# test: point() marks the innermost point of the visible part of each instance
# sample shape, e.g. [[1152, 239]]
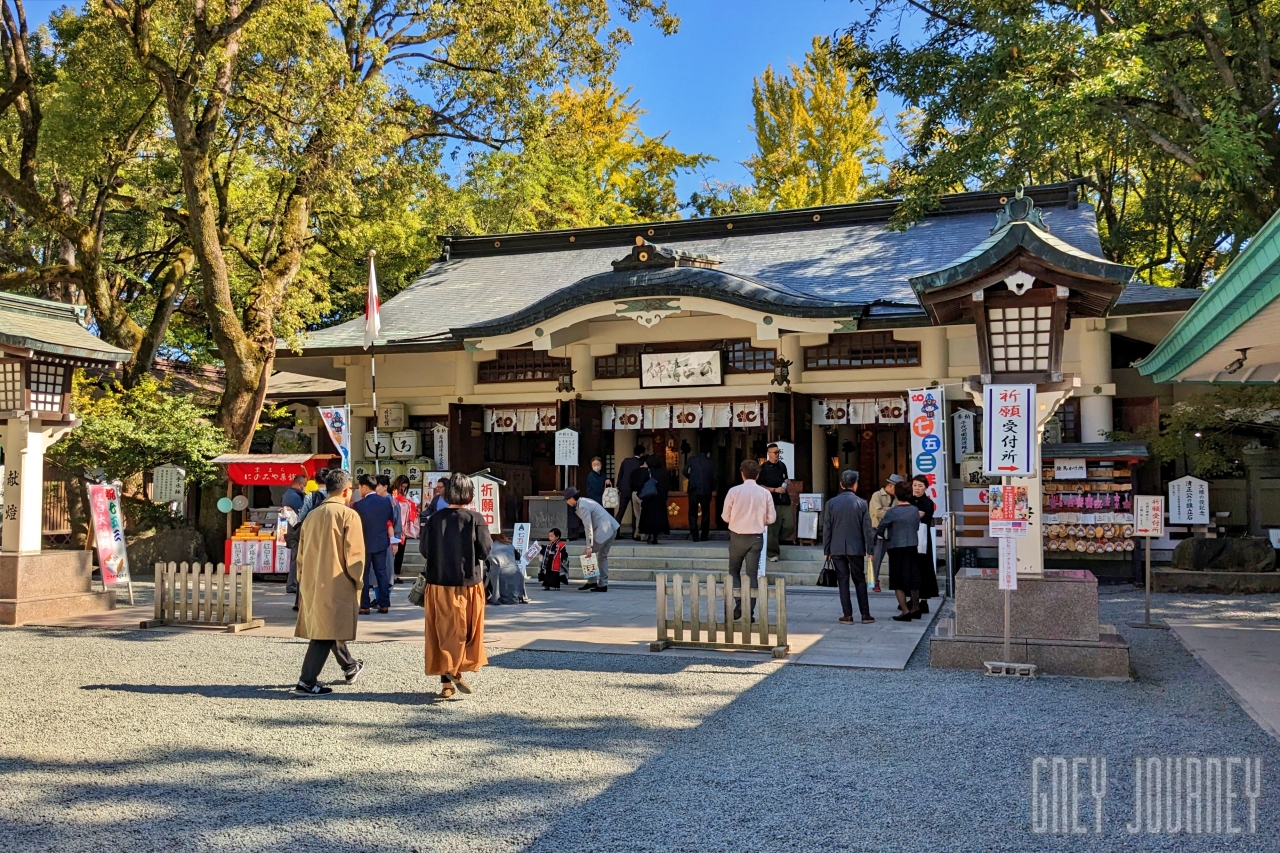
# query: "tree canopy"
[[1166, 112]]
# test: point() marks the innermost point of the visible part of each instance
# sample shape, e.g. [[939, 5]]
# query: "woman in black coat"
[[653, 509], [928, 579]]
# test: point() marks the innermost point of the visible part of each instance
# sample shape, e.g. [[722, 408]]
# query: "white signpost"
[[520, 542], [1009, 413], [1148, 522], [1188, 501], [964, 433], [440, 446], [169, 486]]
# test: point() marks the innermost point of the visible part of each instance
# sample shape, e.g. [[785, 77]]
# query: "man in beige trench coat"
[[330, 571]]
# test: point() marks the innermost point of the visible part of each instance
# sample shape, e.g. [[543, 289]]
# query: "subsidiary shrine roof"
[[52, 328], [834, 261]]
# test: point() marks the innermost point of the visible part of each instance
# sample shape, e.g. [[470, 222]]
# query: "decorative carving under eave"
[[846, 326], [648, 312], [472, 346]]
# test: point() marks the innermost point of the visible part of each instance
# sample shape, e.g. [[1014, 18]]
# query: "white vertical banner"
[[1008, 562], [487, 502], [1009, 419], [964, 432], [440, 446], [929, 442]]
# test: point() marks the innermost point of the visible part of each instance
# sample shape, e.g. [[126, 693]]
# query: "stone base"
[[1053, 622], [52, 585], [1230, 583], [1107, 657]]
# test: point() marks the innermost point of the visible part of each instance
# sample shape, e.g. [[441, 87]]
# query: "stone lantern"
[[41, 344], [1021, 288]]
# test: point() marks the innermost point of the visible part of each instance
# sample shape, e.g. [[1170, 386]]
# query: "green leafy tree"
[[1166, 112], [1210, 430], [284, 114], [590, 164], [817, 135]]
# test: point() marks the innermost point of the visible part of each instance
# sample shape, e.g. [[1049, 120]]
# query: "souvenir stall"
[[258, 541], [1088, 507]]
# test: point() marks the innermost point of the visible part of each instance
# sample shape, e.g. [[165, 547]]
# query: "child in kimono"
[[555, 561]]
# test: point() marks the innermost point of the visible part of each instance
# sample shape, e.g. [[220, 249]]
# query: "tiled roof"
[[52, 328], [839, 256]]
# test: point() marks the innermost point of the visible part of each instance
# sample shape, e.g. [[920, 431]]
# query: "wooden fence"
[[206, 596], [709, 613]]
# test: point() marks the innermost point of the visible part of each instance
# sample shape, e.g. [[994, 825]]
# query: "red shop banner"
[[265, 473]]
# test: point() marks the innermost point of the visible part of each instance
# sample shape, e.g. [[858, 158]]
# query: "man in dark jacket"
[[701, 472], [846, 538], [294, 497], [773, 476], [628, 501], [377, 514]]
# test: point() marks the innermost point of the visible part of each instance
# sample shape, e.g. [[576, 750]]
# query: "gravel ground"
[[154, 741]]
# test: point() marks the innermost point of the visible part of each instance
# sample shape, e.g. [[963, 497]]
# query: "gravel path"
[[137, 741]]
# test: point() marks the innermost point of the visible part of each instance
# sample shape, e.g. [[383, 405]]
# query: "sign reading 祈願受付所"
[[1188, 501], [1148, 516], [1009, 413]]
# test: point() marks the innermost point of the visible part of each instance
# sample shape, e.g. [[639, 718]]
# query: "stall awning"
[[270, 469], [1133, 451]]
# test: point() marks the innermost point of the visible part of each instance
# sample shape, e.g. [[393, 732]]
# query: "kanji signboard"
[[486, 502], [1009, 416], [1188, 501], [1148, 515], [566, 447], [928, 442]]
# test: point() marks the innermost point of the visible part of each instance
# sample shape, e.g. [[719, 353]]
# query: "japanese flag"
[[372, 308]]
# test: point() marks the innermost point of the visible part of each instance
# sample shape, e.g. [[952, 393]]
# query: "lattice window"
[[862, 349], [1069, 416], [742, 357], [522, 365], [1020, 338], [10, 385], [623, 364], [47, 383]]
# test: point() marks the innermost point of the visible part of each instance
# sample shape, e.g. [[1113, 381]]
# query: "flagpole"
[[373, 365]]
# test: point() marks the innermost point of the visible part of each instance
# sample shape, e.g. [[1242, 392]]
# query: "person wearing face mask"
[[597, 482]]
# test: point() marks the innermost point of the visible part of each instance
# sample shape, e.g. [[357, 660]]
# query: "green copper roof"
[[1251, 283], [52, 328]]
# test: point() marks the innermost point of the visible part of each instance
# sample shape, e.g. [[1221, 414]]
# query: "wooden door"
[[802, 438], [779, 417], [586, 418], [466, 437]]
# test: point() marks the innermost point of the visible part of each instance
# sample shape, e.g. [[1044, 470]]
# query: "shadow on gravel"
[[265, 691]]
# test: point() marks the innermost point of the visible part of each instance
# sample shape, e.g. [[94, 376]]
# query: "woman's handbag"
[[649, 489], [611, 499], [419, 591], [922, 539], [827, 577]]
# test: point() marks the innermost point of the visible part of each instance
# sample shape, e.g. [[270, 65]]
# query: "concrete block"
[[1061, 605]]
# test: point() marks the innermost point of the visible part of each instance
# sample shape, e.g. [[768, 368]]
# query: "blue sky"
[[696, 84]]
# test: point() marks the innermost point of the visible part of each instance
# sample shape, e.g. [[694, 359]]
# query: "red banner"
[[270, 473]]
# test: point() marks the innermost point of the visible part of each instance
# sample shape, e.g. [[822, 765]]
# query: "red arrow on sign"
[[1007, 468]]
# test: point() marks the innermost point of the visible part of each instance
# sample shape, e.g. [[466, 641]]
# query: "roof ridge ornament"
[[1020, 208], [646, 255]]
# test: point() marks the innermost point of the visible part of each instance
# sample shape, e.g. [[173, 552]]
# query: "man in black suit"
[[627, 499], [846, 538], [701, 472]]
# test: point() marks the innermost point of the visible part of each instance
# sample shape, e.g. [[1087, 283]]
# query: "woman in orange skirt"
[[455, 543]]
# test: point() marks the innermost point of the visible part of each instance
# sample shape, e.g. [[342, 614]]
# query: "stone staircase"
[[635, 561]]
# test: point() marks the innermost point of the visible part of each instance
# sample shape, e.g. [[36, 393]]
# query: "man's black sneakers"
[[354, 672], [316, 689]]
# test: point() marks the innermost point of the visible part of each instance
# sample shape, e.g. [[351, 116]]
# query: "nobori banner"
[[1009, 421], [928, 441]]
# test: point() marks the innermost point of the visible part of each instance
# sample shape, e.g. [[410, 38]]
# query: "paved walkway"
[[1238, 640], [620, 621]]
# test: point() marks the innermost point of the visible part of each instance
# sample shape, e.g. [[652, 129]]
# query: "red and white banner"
[[929, 443], [108, 532]]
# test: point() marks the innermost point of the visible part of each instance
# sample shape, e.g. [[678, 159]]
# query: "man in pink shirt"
[[748, 509]]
